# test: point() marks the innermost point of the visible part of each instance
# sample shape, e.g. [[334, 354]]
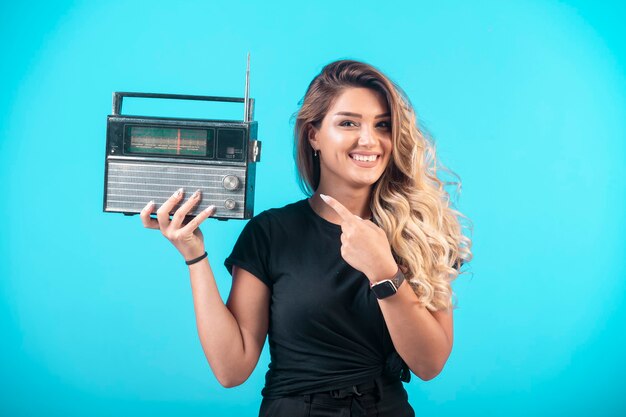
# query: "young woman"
[[351, 285]]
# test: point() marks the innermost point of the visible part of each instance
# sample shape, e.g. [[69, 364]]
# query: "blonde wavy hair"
[[409, 201]]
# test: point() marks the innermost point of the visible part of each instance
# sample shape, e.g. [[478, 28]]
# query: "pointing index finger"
[[343, 212]]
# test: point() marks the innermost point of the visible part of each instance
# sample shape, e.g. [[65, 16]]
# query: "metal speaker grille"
[[131, 185]]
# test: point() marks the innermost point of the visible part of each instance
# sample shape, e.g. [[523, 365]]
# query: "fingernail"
[[196, 194], [324, 197], [210, 208], [178, 192], [150, 204]]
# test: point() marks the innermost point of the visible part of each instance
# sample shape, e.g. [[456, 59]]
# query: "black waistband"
[[354, 390], [373, 387]]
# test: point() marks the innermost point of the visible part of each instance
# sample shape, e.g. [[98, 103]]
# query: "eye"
[[384, 125], [347, 123]]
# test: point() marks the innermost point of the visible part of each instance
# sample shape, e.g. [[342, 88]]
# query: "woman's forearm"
[[419, 338]]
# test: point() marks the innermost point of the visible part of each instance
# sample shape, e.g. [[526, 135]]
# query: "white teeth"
[[363, 158]]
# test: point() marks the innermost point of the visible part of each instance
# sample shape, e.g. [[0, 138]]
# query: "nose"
[[367, 137]]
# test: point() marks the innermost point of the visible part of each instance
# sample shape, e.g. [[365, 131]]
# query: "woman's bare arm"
[[232, 334], [422, 338]]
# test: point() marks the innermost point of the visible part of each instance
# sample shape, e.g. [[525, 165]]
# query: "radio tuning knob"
[[230, 204], [230, 182]]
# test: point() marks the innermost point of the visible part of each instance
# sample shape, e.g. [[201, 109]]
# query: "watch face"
[[384, 289]]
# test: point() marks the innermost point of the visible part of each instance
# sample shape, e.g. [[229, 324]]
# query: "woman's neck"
[[356, 201]]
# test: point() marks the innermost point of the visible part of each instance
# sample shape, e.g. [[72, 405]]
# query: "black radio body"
[[149, 158]]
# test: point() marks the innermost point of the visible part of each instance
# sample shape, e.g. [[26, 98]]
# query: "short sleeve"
[[252, 249]]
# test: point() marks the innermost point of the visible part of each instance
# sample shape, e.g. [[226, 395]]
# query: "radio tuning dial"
[[230, 182], [230, 204]]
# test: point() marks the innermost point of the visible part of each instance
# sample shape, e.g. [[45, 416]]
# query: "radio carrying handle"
[[119, 96]]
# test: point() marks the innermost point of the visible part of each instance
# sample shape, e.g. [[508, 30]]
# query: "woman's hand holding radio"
[[186, 237]]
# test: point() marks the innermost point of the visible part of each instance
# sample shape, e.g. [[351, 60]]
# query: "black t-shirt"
[[326, 330]]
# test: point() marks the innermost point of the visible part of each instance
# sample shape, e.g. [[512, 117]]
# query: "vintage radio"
[[149, 158]]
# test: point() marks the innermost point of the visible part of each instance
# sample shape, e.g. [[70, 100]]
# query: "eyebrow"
[[347, 113]]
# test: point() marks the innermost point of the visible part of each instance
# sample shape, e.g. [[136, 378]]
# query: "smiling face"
[[353, 139]]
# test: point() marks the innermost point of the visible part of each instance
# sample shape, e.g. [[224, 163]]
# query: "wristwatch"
[[388, 287]]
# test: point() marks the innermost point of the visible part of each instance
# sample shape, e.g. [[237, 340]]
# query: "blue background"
[[527, 103]]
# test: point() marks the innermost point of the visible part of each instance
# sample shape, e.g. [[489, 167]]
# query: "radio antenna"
[[246, 99]]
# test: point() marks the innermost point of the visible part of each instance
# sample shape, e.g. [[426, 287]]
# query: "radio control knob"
[[230, 182], [230, 204]]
